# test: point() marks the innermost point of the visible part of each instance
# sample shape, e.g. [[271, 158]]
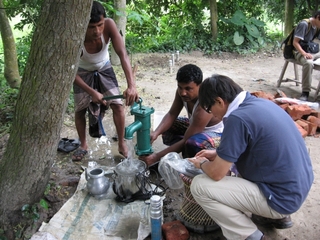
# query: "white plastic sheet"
[[85, 217]]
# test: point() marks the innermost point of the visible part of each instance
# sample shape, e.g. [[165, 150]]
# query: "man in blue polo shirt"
[[271, 157]]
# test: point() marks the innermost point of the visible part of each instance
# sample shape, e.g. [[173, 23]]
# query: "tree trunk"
[[214, 19], [121, 21], [288, 17], [11, 69], [41, 104]]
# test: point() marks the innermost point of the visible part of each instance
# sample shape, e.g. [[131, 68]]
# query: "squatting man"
[[276, 174]]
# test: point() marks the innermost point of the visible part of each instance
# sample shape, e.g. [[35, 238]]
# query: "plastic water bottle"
[[156, 217]]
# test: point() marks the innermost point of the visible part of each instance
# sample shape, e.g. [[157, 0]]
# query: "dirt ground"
[[156, 86]]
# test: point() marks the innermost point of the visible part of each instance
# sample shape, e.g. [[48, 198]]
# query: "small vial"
[[177, 56], [172, 57], [156, 217], [170, 66]]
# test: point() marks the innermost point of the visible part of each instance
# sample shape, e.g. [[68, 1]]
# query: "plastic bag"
[[309, 47], [172, 165], [95, 114]]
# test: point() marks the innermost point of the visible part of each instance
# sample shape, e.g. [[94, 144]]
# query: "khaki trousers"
[[307, 68], [226, 202]]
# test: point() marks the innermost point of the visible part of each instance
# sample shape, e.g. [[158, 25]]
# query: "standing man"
[[187, 135], [95, 77], [276, 174], [306, 31]]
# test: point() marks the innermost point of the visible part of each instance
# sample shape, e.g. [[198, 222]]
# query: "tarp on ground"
[[86, 217]]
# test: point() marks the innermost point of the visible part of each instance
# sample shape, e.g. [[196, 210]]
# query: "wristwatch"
[[202, 162]]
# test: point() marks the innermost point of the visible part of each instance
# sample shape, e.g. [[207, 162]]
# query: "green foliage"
[[2, 79], [27, 12], [247, 31], [44, 204], [8, 98], [47, 190], [23, 48], [30, 212], [110, 10], [171, 25], [180, 27], [275, 9], [70, 107]]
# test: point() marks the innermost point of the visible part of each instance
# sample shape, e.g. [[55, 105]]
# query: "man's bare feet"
[[123, 149]]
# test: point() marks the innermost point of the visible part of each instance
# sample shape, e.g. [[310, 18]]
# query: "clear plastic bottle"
[[156, 217]]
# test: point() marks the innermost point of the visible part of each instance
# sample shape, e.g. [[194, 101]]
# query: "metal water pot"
[[129, 178], [97, 183]]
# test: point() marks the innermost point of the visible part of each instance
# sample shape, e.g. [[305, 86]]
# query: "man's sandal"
[[79, 154], [68, 145]]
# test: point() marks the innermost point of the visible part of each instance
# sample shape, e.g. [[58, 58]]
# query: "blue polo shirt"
[[267, 148]]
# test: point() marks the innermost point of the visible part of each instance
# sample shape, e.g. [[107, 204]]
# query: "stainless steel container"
[[129, 177], [97, 183]]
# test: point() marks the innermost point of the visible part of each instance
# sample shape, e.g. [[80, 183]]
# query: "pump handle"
[[134, 71], [112, 97]]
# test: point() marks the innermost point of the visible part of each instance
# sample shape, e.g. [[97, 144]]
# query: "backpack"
[[288, 42]]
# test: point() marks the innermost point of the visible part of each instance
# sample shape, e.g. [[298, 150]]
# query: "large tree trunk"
[[11, 69], [214, 19], [42, 100], [121, 22], [288, 17]]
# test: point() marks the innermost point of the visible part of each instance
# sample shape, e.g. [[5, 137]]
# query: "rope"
[[145, 186]]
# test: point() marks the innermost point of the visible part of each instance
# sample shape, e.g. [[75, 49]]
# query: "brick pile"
[[306, 119]]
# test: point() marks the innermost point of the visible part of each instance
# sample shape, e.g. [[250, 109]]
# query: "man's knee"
[[117, 108], [308, 64], [80, 114]]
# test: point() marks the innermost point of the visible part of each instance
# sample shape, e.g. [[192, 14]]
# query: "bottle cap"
[[155, 198]]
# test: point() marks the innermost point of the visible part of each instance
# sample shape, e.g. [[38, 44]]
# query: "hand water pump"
[[141, 125]]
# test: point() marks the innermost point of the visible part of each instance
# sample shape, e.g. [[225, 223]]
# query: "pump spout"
[[131, 129]]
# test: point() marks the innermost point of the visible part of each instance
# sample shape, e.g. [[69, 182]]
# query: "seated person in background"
[[301, 33], [189, 135], [276, 174]]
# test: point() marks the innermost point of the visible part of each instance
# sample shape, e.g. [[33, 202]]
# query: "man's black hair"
[[189, 73], [97, 11], [217, 86], [317, 14]]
